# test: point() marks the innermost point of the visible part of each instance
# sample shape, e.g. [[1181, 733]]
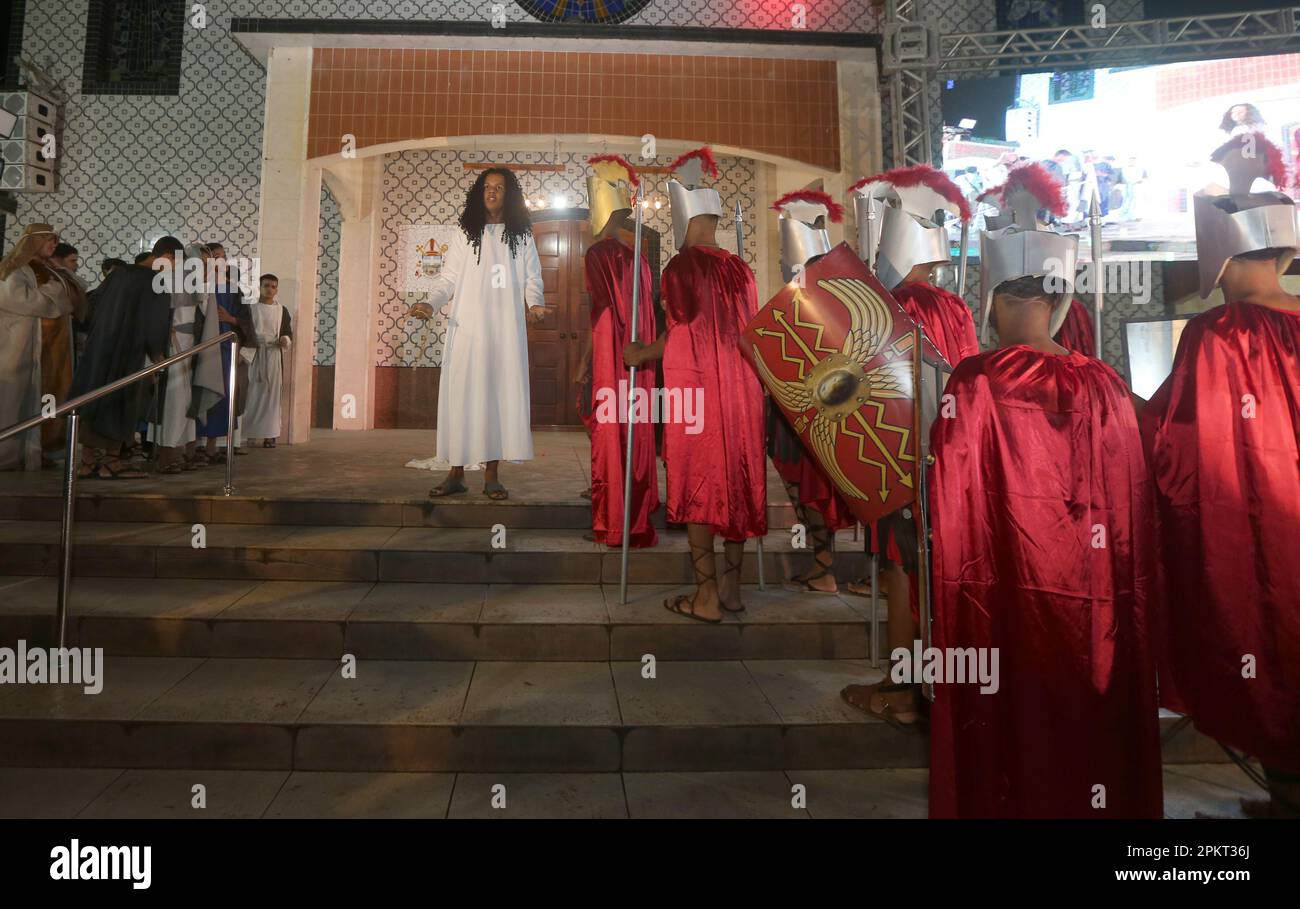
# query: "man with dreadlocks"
[[490, 277]]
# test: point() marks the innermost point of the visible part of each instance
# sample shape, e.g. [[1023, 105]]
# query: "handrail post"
[[69, 513], [230, 416]]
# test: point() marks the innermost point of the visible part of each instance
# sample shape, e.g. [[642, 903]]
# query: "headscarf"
[[25, 249]]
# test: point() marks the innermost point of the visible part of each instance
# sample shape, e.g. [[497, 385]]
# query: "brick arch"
[[778, 107]]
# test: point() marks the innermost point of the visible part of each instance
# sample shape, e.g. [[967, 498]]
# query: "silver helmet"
[[803, 218], [901, 215], [1018, 245], [1233, 220], [686, 198]]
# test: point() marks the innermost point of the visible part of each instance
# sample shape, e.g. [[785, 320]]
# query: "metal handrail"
[[73, 462]]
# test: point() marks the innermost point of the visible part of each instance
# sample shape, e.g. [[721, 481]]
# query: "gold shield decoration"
[[836, 354]]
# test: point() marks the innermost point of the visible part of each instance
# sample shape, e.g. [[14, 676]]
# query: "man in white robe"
[[271, 334], [492, 278], [30, 290]]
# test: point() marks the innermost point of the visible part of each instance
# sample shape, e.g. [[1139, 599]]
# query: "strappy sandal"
[[448, 487], [859, 588], [495, 491], [201, 458], [90, 471], [268, 443], [894, 717], [117, 469], [174, 467], [728, 568], [674, 603], [804, 585]]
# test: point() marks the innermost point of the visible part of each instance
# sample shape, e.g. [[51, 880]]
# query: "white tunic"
[[177, 426], [22, 306], [483, 402], [261, 419]]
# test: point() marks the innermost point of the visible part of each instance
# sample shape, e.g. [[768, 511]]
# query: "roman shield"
[[838, 355]]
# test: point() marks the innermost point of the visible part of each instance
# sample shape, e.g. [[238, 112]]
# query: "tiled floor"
[[1212, 789], [360, 466]]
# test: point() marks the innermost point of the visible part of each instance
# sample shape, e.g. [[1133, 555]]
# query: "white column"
[[289, 224], [357, 185], [860, 138]]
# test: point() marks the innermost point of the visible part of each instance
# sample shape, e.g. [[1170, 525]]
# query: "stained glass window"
[[580, 11]]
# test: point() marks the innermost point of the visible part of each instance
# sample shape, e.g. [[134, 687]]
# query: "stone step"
[[424, 621], [458, 511], [442, 555], [482, 717], [97, 792]]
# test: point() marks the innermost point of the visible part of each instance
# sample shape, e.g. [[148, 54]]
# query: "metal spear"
[[631, 389], [740, 251]]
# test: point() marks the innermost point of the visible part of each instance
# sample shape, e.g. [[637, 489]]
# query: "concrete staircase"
[[470, 659]]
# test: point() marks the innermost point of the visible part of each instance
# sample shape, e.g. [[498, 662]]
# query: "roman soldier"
[[902, 216], [1224, 432], [717, 466], [912, 205], [1075, 331], [817, 505], [1043, 553], [608, 268]]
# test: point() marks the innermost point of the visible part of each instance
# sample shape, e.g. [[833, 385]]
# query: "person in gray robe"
[[130, 327]]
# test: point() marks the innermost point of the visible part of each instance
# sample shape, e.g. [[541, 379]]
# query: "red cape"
[[718, 475], [945, 317], [608, 269], [1076, 331], [948, 324], [1228, 493], [1041, 461]]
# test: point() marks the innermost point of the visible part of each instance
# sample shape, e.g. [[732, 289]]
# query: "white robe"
[[177, 425], [483, 400], [261, 419], [22, 306]]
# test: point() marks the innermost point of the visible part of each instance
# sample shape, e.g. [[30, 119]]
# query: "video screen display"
[[1150, 345], [1141, 137]]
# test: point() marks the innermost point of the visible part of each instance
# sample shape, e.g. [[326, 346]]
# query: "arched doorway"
[[556, 343]]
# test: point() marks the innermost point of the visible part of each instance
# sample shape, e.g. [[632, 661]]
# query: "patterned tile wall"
[[327, 277], [428, 186], [134, 168]]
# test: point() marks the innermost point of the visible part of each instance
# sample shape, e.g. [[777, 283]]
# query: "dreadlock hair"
[[517, 223]]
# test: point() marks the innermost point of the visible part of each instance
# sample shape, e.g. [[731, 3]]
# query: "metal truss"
[[1142, 43], [914, 56], [909, 58]]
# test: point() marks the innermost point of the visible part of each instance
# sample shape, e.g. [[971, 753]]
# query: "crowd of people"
[[1110, 555], [59, 340]]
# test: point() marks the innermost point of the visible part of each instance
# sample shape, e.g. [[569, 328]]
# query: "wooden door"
[[556, 343]]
